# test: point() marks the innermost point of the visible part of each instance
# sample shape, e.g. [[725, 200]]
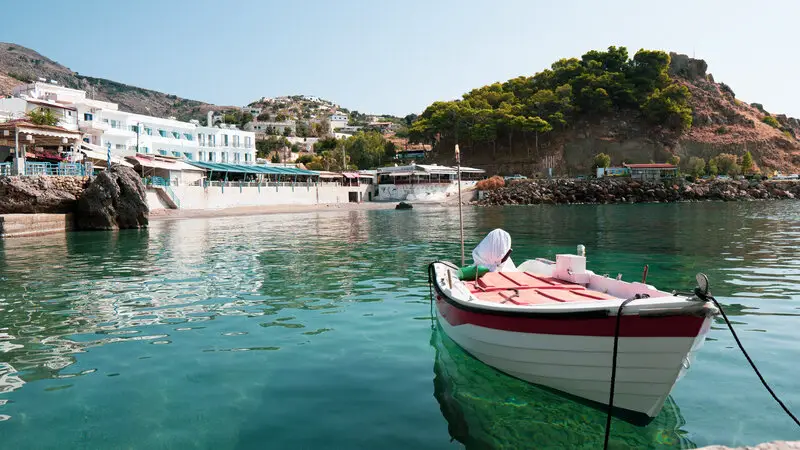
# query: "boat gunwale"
[[601, 309]]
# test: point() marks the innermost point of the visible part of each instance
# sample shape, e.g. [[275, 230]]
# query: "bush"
[[602, 160], [696, 166], [490, 184], [721, 130], [771, 121]]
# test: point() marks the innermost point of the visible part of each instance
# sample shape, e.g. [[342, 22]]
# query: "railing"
[[53, 169], [172, 195], [5, 169]]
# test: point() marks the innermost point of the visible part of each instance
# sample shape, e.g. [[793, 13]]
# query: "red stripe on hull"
[[631, 326]]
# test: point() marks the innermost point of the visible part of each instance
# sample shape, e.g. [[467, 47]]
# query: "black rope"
[[614, 370], [752, 364]]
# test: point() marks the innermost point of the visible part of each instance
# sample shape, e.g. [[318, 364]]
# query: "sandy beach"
[[166, 214]]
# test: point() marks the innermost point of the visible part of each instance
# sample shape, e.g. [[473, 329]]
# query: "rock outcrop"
[[115, 199], [631, 191], [40, 194]]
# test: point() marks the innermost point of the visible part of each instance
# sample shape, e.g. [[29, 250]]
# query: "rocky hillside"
[[22, 65], [604, 102]]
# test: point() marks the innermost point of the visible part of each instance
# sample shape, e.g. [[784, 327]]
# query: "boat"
[[555, 324], [486, 409]]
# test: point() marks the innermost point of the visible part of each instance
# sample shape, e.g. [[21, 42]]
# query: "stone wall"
[[40, 194], [19, 225]]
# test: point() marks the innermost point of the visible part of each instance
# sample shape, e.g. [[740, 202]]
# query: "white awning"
[[158, 163], [94, 152]]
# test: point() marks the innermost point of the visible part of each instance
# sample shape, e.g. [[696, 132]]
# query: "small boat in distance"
[[554, 324]]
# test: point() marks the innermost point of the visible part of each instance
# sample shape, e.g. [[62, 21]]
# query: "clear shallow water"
[[313, 331]]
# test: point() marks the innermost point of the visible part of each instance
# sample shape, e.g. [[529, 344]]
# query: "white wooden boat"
[[554, 324]]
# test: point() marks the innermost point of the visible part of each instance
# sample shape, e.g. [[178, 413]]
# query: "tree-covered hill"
[[641, 106]]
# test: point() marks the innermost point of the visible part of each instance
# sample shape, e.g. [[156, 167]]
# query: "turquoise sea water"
[[313, 331]]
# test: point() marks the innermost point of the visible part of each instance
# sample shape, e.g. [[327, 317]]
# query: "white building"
[[338, 120], [262, 127], [102, 123]]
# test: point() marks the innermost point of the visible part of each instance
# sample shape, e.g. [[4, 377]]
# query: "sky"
[[397, 57]]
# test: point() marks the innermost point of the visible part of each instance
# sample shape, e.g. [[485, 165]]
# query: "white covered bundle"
[[491, 251]]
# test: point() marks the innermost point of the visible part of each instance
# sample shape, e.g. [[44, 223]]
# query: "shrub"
[[771, 121], [788, 134], [721, 130], [491, 184], [602, 160], [696, 166]]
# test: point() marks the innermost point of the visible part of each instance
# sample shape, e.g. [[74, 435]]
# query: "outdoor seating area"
[[30, 149]]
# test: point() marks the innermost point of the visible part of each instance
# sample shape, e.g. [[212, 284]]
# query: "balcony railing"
[[56, 169], [5, 169]]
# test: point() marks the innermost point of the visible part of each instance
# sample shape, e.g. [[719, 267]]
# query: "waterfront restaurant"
[[652, 172], [258, 174], [426, 174], [30, 149]]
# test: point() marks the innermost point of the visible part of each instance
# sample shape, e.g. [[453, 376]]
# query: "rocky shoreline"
[[626, 190]]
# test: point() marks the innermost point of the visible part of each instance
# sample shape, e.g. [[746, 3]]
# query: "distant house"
[[338, 120], [652, 172], [613, 172]]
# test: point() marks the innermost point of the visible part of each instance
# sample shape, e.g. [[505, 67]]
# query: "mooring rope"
[[738, 343], [614, 370], [752, 364]]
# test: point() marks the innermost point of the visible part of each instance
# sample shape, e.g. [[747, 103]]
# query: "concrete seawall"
[[19, 225]]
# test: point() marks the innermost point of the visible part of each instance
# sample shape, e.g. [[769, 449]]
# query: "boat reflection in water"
[[486, 409]]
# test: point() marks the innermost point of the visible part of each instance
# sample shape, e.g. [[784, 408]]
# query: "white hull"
[[647, 367]]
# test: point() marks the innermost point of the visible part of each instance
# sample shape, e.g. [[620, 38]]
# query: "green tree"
[[42, 116], [275, 158], [674, 160], [712, 169], [264, 117], [747, 163], [287, 131], [602, 160], [696, 166], [669, 107], [727, 164], [304, 159]]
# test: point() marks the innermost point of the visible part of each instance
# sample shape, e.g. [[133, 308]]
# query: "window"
[[224, 140], [189, 137], [188, 156], [114, 124], [163, 133], [201, 138], [176, 134], [247, 142], [211, 156], [148, 131], [247, 157], [236, 158], [224, 157], [200, 155], [135, 128], [105, 120], [236, 141], [87, 117], [162, 152], [120, 146], [176, 154], [212, 141], [146, 150]]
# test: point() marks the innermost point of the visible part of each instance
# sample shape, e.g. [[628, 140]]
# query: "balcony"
[[92, 126]]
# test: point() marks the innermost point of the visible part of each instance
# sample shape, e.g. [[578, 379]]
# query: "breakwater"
[[626, 190]]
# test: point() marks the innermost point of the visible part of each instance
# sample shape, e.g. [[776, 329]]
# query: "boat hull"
[[573, 354]]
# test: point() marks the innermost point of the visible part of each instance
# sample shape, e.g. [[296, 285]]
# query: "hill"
[[19, 64], [651, 107]]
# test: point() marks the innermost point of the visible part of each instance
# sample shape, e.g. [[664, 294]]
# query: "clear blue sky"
[[398, 56]]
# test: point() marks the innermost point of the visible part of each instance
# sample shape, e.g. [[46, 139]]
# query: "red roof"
[[651, 166]]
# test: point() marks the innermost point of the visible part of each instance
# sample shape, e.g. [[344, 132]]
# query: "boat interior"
[[526, 288]]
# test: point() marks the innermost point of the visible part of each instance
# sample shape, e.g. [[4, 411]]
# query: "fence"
[[55, 169]]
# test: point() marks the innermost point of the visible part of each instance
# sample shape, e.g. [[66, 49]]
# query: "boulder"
[[403, 205], [115, 199]]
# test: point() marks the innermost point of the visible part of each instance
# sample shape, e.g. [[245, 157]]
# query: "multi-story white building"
[[338, 120], [102, 123], [279, 127]]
